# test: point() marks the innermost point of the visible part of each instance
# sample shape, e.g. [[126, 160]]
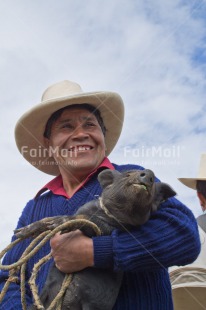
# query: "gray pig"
[[127, 200]]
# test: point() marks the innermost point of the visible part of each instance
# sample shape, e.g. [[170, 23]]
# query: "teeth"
[[83, 148], [80, 148], [140, 185]]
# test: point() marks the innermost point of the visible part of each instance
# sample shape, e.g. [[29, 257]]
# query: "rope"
[[104, 208], [31, 250]]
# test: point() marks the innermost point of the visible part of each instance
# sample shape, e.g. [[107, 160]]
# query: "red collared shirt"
[[56, 185]]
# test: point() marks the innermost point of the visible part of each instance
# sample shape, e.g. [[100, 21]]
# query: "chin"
[[88, 161], [79, 163]]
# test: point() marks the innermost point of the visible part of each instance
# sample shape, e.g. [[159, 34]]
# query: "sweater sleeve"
[[169, 238], [12, 299]]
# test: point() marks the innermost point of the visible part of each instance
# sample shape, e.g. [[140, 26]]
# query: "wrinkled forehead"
[[72, 112], [77, 113]]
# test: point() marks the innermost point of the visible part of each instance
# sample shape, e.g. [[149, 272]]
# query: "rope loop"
[[31, 250]]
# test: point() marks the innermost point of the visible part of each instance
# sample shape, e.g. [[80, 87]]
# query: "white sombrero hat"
[[30, 127], [191, 182]]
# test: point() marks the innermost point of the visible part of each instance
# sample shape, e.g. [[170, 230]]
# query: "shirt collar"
[[56, 185]]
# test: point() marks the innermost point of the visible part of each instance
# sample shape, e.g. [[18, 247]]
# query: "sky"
[[153, 53]]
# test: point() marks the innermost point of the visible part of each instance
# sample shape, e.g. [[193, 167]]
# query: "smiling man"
[[71, 134], [76, 139]]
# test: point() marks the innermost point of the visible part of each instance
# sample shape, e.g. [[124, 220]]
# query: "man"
[[73, 133], [199, 184], [189, 282]]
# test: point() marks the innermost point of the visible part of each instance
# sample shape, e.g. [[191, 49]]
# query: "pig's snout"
[[146, 177]]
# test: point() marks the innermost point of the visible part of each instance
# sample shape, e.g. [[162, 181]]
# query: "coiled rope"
[[32, 249]]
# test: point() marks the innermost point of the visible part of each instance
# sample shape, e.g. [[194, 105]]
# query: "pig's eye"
[[128, 175]]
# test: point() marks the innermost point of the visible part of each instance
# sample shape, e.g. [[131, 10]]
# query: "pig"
[[128, 198]]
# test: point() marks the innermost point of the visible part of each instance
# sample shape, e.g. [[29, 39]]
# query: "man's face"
[[76, 141]]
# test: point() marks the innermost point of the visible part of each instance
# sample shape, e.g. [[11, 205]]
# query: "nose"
[[79, 133], [146, 177]]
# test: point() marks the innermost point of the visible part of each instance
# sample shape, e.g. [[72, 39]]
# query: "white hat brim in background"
[[192, 182], [30, 127]]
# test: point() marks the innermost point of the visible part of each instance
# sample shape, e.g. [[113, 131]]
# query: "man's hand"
[[72, 251]]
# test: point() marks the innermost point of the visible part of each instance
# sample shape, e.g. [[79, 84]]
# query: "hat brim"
[[30, 127], [191, 182]]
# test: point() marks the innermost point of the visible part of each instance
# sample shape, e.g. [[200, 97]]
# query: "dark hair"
[[201, 187], [56, 115]]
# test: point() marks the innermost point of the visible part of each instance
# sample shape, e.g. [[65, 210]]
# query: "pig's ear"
[[163, 191], [106, 177]]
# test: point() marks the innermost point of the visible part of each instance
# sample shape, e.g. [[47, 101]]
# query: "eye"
[[128, 175], [66, 125], [89, 124]]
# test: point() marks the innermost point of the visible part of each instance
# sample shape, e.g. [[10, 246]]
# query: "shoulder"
[[37, 207], [126, 167], [201, 220]]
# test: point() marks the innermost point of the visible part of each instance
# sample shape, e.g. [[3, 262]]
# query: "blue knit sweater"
[[169, 238]]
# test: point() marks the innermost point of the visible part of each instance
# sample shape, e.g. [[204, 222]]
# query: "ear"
[[106, 177], [202, 200], [201, 197], [47, 145], [163, 191], [46, 142], [166, 190]]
